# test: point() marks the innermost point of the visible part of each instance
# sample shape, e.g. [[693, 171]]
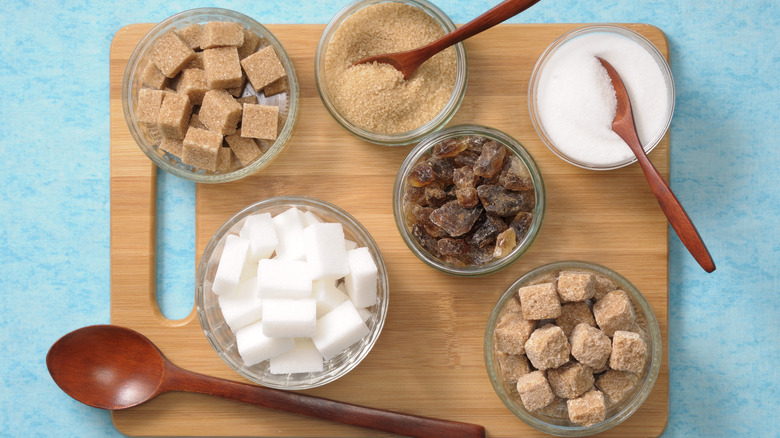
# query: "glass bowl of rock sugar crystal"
[[572, 103], [292, 292]]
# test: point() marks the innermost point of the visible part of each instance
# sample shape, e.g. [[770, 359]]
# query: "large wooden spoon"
[[112, 367], [407, 62], [624, 126]]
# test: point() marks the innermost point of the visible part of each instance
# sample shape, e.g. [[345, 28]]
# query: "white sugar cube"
[[286, 318], [243, 307], [310, 218], [362, 277], [304, 358], [283, 279], [254, 347], [289, 232], [259, 230], [328, 296], [231, 263], [338, 329], [350, 244], [325, 250], [364, 313]]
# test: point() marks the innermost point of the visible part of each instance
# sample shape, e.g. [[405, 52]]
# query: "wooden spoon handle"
[[387, 421], [674, 211], [498, 14]]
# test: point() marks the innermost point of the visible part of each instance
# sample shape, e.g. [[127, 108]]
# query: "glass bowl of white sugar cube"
[[572, 103], [292, 292]]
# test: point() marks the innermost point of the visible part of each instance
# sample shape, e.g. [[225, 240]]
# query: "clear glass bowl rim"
[[631, 406], [405, 138], [598, 28], [456, 131], [290, 381], [192, 16]]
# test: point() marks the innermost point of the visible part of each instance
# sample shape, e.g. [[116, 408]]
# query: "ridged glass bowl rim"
[[295, 381], [584, 30], [425, 146], [404, 138], [629, 406], [131, 83]]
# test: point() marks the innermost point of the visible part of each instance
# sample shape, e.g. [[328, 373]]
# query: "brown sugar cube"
[[570, 381], [220, 112], [175, 113], [616, 384], [191, 35], [629, 352], [512, 332], [247, 99], [535, 392], [513, 366], [196, 123], [222, 67], [262, 68], [260, 121], [603, 286], [540, 301], [590, 346], [220, 34], [225, 159], [576, 286], [192, 82], [246, 149], [614, 312], [170, 54], [250, 45], [153, 77], [588, 409], [201, 148], [197, 62], [172, 146], [573, 314], [276, 87], [147, 112], [239, 90], [547, 347]]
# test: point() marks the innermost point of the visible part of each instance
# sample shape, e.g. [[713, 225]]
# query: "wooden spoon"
[[624, 126], [407, 62], [112, 367]]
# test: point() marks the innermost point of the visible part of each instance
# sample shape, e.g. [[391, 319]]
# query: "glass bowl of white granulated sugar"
[[572, 102]]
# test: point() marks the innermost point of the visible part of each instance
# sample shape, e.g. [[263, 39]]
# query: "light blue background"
[[54, 201]]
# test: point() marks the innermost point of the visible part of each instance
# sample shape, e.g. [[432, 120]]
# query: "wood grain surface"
[[429, 358]]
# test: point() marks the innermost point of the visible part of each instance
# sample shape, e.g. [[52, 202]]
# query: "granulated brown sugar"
[[375, 96]]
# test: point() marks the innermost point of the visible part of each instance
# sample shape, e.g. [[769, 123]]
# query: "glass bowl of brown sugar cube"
[[469, 200], [210, 95], [572, 348]]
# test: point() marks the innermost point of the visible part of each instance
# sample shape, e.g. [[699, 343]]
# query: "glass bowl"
[[546, 420], [223, 340], [287, 101], [553, 102], [402, 192], [395, 139]]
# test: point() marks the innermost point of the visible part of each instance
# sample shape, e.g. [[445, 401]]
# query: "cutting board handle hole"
[[175, 247]]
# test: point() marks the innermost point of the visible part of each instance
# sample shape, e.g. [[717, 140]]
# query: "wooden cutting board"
[[429, 357]]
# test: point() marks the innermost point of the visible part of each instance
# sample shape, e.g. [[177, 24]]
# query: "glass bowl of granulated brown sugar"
[[373, 101]]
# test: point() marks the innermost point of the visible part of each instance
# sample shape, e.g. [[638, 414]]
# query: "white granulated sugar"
[[576, 102]]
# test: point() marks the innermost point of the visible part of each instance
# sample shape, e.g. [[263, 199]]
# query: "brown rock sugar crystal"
[[375, 96]]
